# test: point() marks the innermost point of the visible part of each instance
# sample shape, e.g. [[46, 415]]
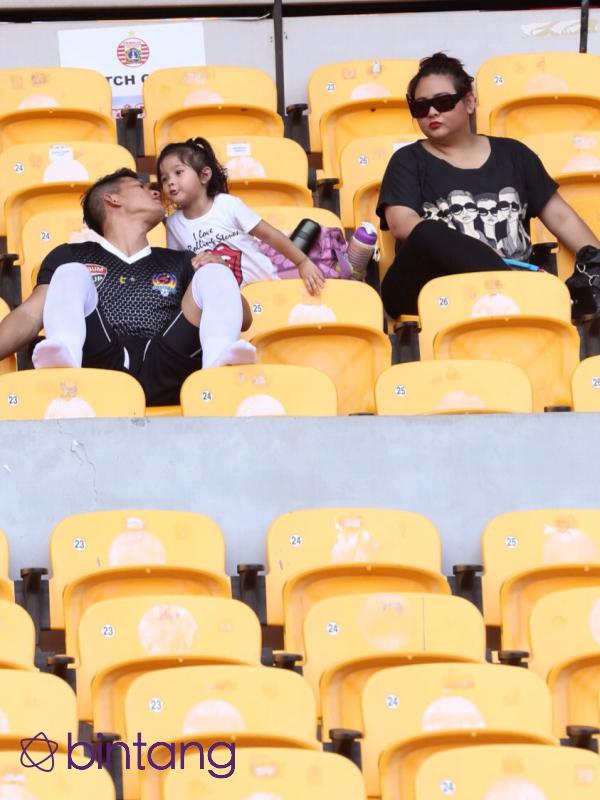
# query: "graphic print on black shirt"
[[138, 299]]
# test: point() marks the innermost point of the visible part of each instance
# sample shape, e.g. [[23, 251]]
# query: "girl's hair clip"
[[195, 143]]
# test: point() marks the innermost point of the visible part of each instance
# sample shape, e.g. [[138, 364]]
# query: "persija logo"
[[158, 755]]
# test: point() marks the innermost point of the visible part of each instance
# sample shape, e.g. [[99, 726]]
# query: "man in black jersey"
[[116, 303]]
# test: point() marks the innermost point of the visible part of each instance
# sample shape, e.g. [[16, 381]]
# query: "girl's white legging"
[[72, 297]]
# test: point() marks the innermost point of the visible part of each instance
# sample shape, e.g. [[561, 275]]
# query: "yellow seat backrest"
[[84, 544], [453, 387], [286, 218], [68, 393], [279, 304], [17, 633], [499, 771], [122, 637], [170, 92], [362, 165], [258, 390], [523, 93], [42, 104], [303, 540], [585, 385], [523, 541], [62, 782], [7, 591], [266, 773], [36, 701], [429, 707]]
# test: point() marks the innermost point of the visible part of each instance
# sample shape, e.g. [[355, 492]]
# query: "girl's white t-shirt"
[[224, 230]]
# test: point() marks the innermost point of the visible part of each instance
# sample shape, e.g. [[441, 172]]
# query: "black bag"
[[584, 283]]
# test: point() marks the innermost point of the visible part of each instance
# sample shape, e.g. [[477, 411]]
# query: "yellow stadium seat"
[[528, 554], [573, 159], [348, 638], [523, 93], [123, 637], [453, 387], [264, 170], [362, 164], [45, 230], [131, 552], [49, 104], [338, 332], [245, 705], [69, 393], [266, 773], [183, 102], [503, 771], [258, 391], [61, 782], [8, 364], [324, 552], [17, 635], [7, 590], [286, 218], [36, 701], [522, 318], [411, 712], [585, 385], [46, 176], [564, 631], [353, 99]]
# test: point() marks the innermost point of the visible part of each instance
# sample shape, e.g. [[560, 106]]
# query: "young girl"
[[215, 224], [485, 189]]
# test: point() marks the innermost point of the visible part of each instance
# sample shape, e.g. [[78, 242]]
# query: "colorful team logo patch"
[[133, 52], [233, 258], [98, 273], [165, 283]]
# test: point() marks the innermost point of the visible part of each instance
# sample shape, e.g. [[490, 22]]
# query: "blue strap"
[[522, 265]]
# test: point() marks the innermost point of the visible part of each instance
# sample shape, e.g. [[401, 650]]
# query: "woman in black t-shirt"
[[484, 188]]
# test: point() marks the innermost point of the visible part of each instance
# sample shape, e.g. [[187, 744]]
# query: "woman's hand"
[[200, 259], [311, 275]]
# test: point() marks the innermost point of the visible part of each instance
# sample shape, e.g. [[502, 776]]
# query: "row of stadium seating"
[[157, 646]]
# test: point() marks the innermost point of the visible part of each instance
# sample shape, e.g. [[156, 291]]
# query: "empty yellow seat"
[[61, 782], [338, 332], [69, 393], [522, 318], [353, 99], [50, 104], [524, 93], [245, 705], [564, 632], [502, 771], [183, 102], [362, 164], [528, 554], [17, 636], [131, 552], [411, 712], [585, 385], [258, 390], [8, 364], [325, 552], [265, 773], [123, 637], [350, 637], [453, 387], [286, 218], [264, 170]]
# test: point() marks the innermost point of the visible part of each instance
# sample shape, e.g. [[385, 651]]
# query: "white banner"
[[127, 55]]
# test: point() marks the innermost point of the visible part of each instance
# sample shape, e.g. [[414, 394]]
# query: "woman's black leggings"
[[432, 250]]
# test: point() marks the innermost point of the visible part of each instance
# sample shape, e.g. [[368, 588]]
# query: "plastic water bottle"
[[361, 248]]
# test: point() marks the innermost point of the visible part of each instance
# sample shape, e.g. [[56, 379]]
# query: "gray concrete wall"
[[459, 471]]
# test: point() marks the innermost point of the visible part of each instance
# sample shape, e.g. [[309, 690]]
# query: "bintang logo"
[[158, 755]]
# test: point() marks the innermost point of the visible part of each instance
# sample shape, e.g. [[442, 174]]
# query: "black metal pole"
[[585, 21], [278, 41]]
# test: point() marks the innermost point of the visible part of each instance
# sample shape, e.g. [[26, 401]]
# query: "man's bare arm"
[[23, 324]]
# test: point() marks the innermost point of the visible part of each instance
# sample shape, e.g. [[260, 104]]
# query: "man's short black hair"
[[92, 203]]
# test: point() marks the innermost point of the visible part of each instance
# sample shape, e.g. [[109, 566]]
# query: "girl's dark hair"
[[441, 64], [197, 154]]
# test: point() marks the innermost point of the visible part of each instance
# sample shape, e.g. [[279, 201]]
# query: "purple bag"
[[329, 253]]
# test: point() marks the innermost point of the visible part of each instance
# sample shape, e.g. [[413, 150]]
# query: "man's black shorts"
[[160, 364]]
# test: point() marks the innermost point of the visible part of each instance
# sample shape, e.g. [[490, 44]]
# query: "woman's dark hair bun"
[[442, 64]]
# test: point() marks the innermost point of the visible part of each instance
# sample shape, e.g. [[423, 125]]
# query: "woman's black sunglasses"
[[443, 102]]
